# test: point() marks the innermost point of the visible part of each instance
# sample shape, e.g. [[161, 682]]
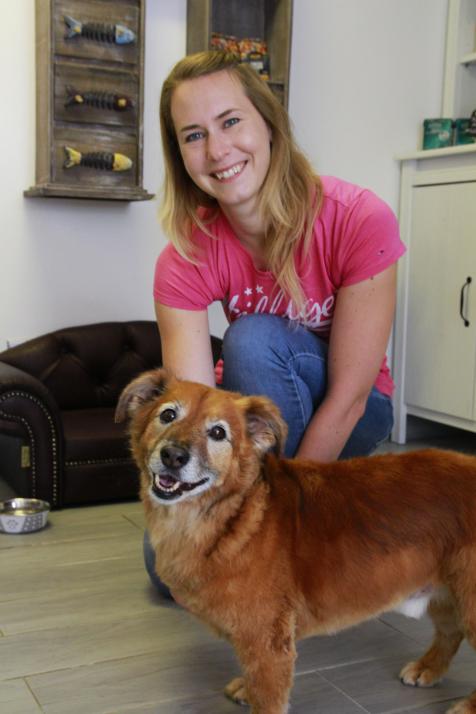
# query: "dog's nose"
[[174, 457]]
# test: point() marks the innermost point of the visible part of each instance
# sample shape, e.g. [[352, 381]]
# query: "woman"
[[306, 263]]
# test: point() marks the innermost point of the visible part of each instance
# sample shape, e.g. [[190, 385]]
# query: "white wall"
[[65, 261], [364, 74]]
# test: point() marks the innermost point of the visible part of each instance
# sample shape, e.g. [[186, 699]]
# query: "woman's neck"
[[249, 229]]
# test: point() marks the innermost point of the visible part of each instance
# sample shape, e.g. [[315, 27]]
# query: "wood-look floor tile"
[[64, 647], [375, 685], [197, 668], [57, 532], [105, 599], [367, 641], [16, 698]]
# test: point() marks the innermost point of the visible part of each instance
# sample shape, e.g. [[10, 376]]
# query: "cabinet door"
[[440, 349]]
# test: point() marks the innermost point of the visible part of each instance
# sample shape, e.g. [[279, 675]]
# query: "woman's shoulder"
[[345, 193]]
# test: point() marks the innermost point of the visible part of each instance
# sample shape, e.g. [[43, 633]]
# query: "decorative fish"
[[102, 160], [99, 100], [117, 34]]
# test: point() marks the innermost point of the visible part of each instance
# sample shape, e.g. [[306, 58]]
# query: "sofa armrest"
[[27, 403]]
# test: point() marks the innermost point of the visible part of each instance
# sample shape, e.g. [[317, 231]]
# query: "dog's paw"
[[236, 691], [463, 707], [415, 674]]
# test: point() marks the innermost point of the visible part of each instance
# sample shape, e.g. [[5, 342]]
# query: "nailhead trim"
[[54, 441], [92, 462]]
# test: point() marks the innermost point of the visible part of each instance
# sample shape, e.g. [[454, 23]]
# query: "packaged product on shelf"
[[437, 133], [255, 51], [463, 134], [219, 41]]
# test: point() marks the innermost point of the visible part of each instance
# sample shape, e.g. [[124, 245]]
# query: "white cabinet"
[[435, 328], [434, 352]]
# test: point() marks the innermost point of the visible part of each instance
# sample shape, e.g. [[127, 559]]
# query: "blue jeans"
[[266, 354]]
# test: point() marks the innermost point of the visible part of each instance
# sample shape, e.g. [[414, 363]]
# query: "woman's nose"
[[217, 146]]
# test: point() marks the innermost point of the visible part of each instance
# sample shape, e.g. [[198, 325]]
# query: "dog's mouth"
[[168, 487]]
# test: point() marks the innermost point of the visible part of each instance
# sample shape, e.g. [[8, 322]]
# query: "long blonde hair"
[[291, 193]]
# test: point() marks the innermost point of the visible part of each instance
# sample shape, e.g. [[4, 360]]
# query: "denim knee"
[[249, 338]]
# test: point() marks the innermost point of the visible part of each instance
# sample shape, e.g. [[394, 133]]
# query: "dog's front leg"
[[268, 668]]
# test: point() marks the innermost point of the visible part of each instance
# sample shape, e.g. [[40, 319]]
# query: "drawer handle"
[[461, 301]]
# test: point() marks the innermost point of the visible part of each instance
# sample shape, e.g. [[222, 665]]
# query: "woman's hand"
[[186, 346], [359, 336]]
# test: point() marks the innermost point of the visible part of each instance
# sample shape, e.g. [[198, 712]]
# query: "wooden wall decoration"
[[90, 77]]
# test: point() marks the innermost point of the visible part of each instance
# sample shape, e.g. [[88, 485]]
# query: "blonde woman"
[[303, 265]]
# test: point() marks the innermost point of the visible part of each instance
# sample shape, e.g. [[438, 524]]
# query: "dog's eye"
[[217, 433], [168, 415]]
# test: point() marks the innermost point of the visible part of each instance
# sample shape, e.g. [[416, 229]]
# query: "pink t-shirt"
[[355, 236]]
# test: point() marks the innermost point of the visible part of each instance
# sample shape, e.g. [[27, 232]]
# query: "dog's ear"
[[142, 389], [266, 427]]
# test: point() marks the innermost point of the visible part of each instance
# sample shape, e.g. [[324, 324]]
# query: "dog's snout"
[[174, 457]]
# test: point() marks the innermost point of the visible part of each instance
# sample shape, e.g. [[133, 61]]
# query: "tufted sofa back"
[[88, 366]]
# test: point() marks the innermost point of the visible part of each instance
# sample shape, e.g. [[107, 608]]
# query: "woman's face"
[[223, 139]]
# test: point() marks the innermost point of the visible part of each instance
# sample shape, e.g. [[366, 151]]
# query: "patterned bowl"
[[23, 515]]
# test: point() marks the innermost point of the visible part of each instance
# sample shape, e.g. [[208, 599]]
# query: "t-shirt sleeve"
[[370, 241], [182, 284]]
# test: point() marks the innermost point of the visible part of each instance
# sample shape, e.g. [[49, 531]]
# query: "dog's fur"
[[267, 550]]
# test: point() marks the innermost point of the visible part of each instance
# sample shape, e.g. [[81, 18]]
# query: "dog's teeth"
[[166, 487]]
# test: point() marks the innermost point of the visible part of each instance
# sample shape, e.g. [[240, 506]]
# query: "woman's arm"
[[359, 336], [186, 346]]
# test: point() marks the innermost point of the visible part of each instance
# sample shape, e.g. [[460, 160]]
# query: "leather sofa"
[[58, 392]]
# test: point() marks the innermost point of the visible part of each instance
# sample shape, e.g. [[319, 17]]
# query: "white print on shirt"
[[312, 314]]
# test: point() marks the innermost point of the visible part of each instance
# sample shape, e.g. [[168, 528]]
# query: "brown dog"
[[268, 550]]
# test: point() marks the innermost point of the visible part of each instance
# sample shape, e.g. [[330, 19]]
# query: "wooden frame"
[[269, 19], [89, 69]]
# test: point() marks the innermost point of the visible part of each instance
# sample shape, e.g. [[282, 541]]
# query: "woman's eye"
[[167, 416], [217, 433], [231, 121], [193, 137]]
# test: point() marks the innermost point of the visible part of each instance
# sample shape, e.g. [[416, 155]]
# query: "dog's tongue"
[[167, 481]]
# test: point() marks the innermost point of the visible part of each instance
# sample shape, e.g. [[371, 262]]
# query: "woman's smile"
[[231, 173]]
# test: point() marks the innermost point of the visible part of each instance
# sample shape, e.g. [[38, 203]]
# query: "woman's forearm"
[[329, 429]]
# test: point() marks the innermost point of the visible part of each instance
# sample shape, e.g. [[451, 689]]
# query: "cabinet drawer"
[[87, 142], [104, 14], [98, 87]]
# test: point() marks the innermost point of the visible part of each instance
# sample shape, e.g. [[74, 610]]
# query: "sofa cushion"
[[92, 434]]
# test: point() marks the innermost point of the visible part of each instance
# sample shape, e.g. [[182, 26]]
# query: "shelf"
[[55, 191], [470, 58], [435, 153]]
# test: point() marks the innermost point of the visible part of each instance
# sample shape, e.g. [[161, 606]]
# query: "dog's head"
[[189, 439]]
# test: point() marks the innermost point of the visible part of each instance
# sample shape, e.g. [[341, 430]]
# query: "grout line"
[[24, 679], [126, 518], [344, 694]]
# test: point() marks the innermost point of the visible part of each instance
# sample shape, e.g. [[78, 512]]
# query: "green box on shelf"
[[462, 136], [437, 133]]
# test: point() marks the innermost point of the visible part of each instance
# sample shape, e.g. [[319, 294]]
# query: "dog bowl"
[[23, 515]]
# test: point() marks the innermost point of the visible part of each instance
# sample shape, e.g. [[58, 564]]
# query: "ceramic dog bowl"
[[23, 515]]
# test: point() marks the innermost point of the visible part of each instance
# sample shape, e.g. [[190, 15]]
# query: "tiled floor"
[[82, 632]]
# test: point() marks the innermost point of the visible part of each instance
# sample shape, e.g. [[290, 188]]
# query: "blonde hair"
[[291, 193]]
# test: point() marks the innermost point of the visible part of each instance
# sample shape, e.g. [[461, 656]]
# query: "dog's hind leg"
[[429, 669], [463, 586]]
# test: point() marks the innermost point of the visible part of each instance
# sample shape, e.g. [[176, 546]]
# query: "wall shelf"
[[270, 20]]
